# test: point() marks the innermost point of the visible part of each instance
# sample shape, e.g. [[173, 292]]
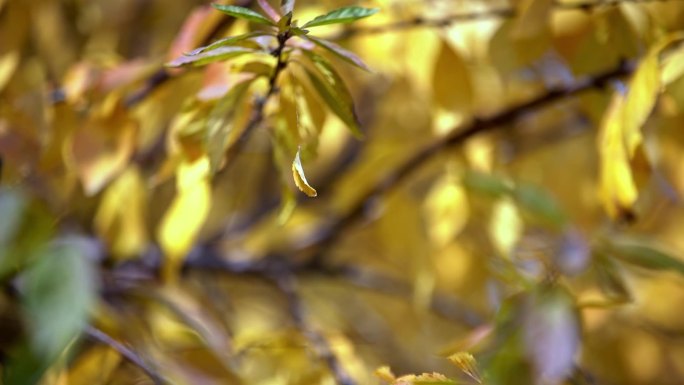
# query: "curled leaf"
[[300, 178]]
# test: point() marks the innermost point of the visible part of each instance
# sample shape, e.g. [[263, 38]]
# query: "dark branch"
[[98, 335], [288, 286], [459, 136], [496, 13]]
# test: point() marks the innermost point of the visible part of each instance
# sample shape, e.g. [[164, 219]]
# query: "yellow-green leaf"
[[333, 91], [341, 15], [243, 13], [300, 178]]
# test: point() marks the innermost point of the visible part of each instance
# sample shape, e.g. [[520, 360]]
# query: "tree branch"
[[459, 136], [98, 335], [495, 13], [287, 284]]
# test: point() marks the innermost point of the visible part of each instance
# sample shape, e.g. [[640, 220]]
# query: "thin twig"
[[287, 284], [126, 352], [495, 13], [459, 136]]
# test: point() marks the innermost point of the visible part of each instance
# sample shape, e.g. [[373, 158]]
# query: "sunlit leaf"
[[206, 57], [227, 42], [300, 178], [451, 83], [645, 255], [243, 13], [185, 217], [95, 366], [341, 15], [446, 211], [642, 94], [333, 91], [505, 227], [618, 189], [338, 51], [8, 63]]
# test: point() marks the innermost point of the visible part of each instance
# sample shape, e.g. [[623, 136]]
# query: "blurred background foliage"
[[514, 202]]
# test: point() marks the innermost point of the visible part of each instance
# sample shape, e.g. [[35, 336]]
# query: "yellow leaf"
[[446, 209], [451, 84], [640, 100], [618, 190], [505, 227], [8, 63], [120, 218], [183, 221], [101, 148], [95, 366], [533, 19], [300, 178]]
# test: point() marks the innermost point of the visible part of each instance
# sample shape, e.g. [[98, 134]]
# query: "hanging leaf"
[[618, 189], [643, 91], [341, 15], [227, 42], [338, 51], [185, 217], [218, 54], [505, 227], [446, 210], [243, 13], [333, 91], [300, 178], [451, 84]]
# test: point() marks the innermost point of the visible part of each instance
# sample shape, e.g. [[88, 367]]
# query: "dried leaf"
[[300, 178]]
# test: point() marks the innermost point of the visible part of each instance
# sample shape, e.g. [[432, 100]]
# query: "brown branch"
[[495, 13], [98, 335], [287, 284], [458, 137]]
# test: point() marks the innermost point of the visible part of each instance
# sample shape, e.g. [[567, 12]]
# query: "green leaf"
[[227, 41], [644, 255], [59, 291], [334, 92], [341, 15], [12, 205], [338, 51], [486, 184], [541, 205], [243, 13], [219, 54], [300, 178]]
